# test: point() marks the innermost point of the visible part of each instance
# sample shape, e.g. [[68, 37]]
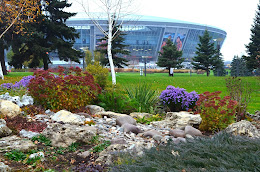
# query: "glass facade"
[[146, 38]]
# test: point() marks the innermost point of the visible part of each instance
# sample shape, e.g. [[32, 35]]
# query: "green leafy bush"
[[99, 73], [145, 97], [71, 91], [216, 113], [223, 152], [117, 101]]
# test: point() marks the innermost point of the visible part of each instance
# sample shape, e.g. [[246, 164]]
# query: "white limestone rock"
[[15, 142], [243, 128], [9, 109], [63, 135], [68, 117], [4, 130]]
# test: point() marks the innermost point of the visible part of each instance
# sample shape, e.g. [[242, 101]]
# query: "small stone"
[[151, 133], [118, 141], [28, 134], [38, 154], [4, 130], [94, 109], [175, 153], [125, 119], [131, 128], [188, 136], [157, 138], [84, 154], [192, 131], [177, 133], [4, 168]]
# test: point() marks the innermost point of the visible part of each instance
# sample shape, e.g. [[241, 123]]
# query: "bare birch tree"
[[115, 12]]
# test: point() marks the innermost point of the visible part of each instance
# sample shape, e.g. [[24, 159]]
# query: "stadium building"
[[147, 36]]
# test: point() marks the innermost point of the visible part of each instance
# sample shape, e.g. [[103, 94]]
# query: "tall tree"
[[238, 67], [115, 12], [117, 48], [205, 54], [49, 34], [219, 67], [13, 16], [170, 57], [253, 48]]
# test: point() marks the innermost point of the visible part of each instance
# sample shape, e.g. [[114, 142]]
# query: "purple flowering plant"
[[22, 83], [18, 88], [178, 99]]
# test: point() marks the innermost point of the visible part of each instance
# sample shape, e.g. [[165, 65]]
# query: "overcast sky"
[[234, 16]]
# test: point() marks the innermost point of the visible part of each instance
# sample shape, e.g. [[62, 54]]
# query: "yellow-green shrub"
[[99, 73]]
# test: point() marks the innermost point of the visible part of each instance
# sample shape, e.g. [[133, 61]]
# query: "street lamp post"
[[145, 61]]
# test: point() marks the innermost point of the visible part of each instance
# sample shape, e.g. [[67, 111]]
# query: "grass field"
[[159, 81], [198, 83]]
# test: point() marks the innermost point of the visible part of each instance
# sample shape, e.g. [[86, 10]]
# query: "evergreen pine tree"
[[238, 67], [118, 48], [205, 54], [48, 34], [219, 67], [253, 48], [170, 57]]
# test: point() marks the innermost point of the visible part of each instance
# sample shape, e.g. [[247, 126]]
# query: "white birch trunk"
[[1, 72], [109, 48]]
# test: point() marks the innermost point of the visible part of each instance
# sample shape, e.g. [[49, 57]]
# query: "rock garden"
[[75, 121]]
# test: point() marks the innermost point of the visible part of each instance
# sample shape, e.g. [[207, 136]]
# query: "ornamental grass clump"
[[178, 99], [71, 91], [216, 113]]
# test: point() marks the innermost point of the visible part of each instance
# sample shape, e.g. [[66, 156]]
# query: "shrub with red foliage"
[[216, 113], [65, 91]]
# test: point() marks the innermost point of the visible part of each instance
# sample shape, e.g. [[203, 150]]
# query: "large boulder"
[[243, 128], [178, 120], [68, 117], [4, 130], [15, 143], [63, 135], [110, 114], [9, 109], [94, 109], [125, 119]]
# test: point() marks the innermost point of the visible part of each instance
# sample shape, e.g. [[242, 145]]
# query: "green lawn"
[[198, 83], [16, 74]]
